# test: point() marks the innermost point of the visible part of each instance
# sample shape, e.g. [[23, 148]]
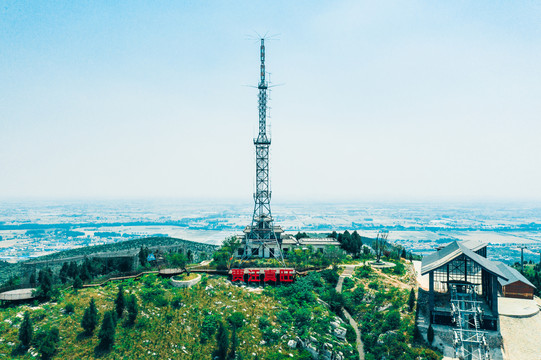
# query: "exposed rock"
[[340, 333], [292, 344]]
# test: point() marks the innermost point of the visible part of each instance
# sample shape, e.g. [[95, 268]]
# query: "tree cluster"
[[351, 242]]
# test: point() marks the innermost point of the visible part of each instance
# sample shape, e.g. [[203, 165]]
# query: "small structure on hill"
[[516, 285]]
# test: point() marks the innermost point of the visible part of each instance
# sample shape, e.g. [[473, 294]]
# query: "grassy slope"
[[385, 291], [160, 332]]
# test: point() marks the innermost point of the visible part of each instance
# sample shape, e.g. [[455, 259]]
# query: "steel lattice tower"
[[262, 233]]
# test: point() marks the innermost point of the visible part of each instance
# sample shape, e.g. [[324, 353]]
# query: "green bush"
[[363, 272], [351, 336], [264, 322], [302, 317], [69, 308], [348, 284], [47, 343], [399, 269], [208, 327], [236, 319], [176, 303], [284, 317]]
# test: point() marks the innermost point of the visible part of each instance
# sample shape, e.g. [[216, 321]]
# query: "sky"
[[416, 100]]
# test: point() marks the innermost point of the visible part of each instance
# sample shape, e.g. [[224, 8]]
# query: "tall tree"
[[143, 254], [90, 318], [411, 300], [107, 331], [77, 283], [120, 302], [222, 340], [73, 271], [63, 274], [32, 279], [45, 284], [132, 309], [26, 331]]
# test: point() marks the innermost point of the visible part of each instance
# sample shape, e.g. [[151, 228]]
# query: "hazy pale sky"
[[382, 100]]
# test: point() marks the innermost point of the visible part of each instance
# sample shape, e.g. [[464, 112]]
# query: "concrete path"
[[348, 272]]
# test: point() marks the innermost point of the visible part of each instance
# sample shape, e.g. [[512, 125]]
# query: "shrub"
[[302, 317], [236, 319], [176, 303], [47, 343], [69, 308], [208, 327], [392, 320], [351, 336], [285, 317], [399, 269], [264, 322], [363, 272], [348, 284], [373, 285], [330, 276]]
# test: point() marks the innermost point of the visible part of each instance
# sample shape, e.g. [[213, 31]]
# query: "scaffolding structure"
[[469, 342]]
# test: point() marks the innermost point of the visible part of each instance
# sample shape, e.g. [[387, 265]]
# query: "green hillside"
[[180, 323]]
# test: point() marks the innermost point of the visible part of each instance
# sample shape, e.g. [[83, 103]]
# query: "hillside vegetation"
[[182, 323]]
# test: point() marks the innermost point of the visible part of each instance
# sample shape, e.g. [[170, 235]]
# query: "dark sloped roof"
[[513, 275], [441, 257], [470, 244]]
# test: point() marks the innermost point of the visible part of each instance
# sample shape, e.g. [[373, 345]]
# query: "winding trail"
[[348, 272]]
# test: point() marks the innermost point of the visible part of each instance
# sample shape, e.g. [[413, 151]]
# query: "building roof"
[[473, 245], [513, 275], [442, 257], [310, 241]]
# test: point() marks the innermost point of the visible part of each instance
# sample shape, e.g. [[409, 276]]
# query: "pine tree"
[[73, 271], [222, 339], [143, 254], [26, 331], [90, 318], [107, 331], [132, 309], [32, 279], [120, 302], [234, 343], [411, 300], [77, 283], [430, 334], [63, 274], [47, 343], [45, 284]]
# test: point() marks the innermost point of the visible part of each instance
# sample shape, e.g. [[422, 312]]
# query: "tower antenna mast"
[[262, 237]]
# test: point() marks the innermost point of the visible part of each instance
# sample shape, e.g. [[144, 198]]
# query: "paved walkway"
[[348, 271]]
